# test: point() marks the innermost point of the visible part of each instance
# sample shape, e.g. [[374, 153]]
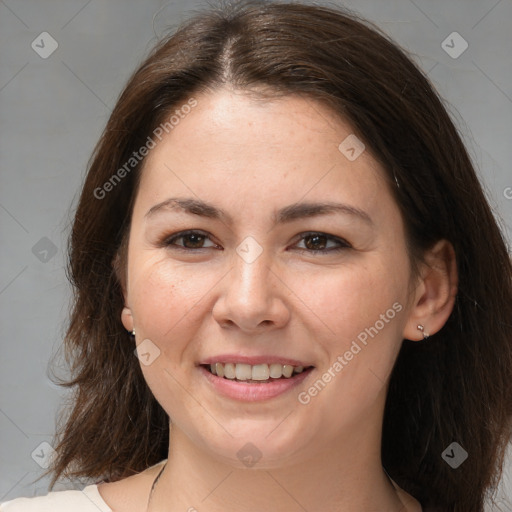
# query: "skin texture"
[[251, 158]]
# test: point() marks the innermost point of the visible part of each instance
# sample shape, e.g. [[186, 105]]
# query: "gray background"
[[54, 109]]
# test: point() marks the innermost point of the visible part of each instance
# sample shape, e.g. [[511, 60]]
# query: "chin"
[[259, 448]]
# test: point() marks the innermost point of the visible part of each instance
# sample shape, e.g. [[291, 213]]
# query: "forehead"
[[242, 149]]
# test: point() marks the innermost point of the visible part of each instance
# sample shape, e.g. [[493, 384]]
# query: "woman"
[[282, 220]]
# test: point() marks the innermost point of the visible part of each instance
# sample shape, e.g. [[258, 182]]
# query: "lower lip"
[[253, 392]]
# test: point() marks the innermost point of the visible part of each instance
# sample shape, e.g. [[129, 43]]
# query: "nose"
[[252, 297]]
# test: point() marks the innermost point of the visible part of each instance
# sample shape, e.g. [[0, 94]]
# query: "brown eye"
[[317, 243], [191, 240]]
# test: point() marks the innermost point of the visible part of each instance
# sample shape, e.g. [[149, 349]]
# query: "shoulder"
[[86, 500], [130, 493]]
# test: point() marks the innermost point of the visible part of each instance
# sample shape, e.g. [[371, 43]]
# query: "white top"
[[87, 500]]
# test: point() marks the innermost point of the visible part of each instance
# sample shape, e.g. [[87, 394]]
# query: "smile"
[[237, 380], [254, 373]]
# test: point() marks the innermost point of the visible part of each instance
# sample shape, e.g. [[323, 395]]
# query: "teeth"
[[276, 370], [229, 370], [262, 372], [287, 370], [243, 371]]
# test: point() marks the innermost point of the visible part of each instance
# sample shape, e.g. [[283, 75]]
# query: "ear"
[[127, 319], [435, 292], [126, 315]]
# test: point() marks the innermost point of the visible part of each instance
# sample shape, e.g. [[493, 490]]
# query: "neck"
[[341, 478]]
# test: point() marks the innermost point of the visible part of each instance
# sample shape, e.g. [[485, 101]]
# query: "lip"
[[253, 360], [253, 392]]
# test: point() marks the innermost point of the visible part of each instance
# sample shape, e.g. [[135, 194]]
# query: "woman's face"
[[268, 280]]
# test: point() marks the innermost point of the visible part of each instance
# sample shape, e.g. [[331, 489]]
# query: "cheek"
[[362, 311], [161, 297], [170, 302], [364, 306], [366, 315], [351, 299], [164, 305]]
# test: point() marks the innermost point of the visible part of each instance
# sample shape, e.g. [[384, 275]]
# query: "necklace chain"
[[154, 485], [162, 470]]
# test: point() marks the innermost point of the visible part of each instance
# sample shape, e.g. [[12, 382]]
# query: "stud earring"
[[422, 329], [133, 333]]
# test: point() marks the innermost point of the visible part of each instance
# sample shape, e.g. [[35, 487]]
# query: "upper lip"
[[253, 360]]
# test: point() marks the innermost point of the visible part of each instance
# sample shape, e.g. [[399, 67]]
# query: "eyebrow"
[[282, 216]]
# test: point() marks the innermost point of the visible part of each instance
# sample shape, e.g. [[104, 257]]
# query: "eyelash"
[[344, 244]]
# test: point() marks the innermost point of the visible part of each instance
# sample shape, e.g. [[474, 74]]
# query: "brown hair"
[[456, 387]]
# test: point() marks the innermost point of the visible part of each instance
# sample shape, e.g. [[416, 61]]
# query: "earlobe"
[[126, 314], [127, 319], [435, 293]]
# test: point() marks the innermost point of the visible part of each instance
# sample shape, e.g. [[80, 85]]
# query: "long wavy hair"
[[456, 387]]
